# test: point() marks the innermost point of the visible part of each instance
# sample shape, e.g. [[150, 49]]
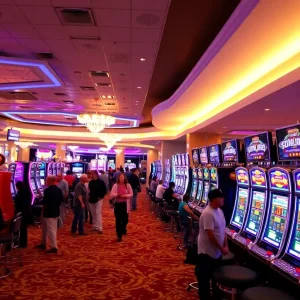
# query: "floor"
[[146, 265]]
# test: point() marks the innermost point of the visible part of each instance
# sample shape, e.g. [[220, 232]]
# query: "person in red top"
[[122, 191], [70, 179]]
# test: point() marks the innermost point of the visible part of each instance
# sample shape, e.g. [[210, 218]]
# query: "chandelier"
[[96, 123], [24, 145], [110, 139], [72, 148], [119, 150]]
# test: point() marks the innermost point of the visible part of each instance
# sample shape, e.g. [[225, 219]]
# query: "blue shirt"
[[183, 213]]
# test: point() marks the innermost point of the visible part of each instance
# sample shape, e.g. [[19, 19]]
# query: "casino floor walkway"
[[146, 265]]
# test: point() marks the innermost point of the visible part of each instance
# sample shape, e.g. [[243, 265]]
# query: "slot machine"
[[17, 170], [288, 264], [173, 177], [272, 239], [194, 185], [50, 169], [187, 174], [67, 167], [257, 207], [213, 178], [230, 153], [62, 168], [40, 176], [12, 170], [35, 193], [200, 184], [54, 169], [79, 168], [167, 173], [241, 202]]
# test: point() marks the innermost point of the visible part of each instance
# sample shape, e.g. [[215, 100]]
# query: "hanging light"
[[110, 139], [73, 148], [94, 122], [118, 150], [24, 145]]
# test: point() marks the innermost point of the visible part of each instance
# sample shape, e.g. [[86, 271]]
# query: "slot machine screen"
[[288, 143], [199, 191], [276, 223], [257, 147], [203, 155], [12, 189], [294, 247], [256, 212], [195, 157], [214, 153], [33, 184], [42, 173], [78, 170], [240, 208], [205, 193], [42, 181], [194, 184], [213, 186], [230, 151]]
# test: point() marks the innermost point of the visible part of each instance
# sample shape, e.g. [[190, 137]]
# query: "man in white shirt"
[[63, 185], [212, 242], [160, 190]]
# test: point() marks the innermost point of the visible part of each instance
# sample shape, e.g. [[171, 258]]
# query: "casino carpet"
[[146, 265]]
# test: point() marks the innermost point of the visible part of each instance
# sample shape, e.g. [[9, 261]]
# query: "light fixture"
[[94, 122], [118, 150], [103, 149], [73, 148], [24, 145], [267, 109], [142, 59], [138, 87], [110, 139]]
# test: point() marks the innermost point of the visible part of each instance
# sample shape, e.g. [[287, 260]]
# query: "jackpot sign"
[[279, 180], [257, 148], [242, 176], [290, 145], [258, 177]]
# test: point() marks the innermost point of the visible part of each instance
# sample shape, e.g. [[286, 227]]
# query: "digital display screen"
[[240, 208], [42, 181], [257, 147], [77, 169], [13, 135], [12, 188], [203, 155], [213, 174], [205, 174], [199, 191], [230, 151], [194, 184], [183, 160], [279, 180], [258, 177], [297, 181], [205, 192], [256, 212], [200, 175], [288, 142], [42, 173], [242, 176], [213, 186], [214, 153], [33, 184], [277, 221], [179, 159], [294, 247]]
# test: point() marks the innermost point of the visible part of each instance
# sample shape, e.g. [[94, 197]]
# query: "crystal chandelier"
[[110, 139], [72, 148], [24, 145], [95, 123], [119, 150]]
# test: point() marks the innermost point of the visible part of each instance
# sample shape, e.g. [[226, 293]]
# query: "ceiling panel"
[[116, 34], [145, 35], [146, 19], [150, 5], [33, 2], [41, 15], [34, 45], [52, 32], [112, 17], [11, 14], [4, 33], [112, 4], [22, 31], [71, 3]]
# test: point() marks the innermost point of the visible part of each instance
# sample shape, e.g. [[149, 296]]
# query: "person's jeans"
[[133, 199], [121, 218], [78, 219], [204, 270]]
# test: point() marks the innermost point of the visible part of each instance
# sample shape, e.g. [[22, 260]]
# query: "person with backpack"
[[122, 192]]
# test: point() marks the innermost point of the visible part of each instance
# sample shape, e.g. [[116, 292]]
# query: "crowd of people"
[[85, 196]]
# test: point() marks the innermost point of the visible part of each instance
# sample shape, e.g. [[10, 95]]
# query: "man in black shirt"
[[170, 196], [135, 184], [53, 197], [98, 190]]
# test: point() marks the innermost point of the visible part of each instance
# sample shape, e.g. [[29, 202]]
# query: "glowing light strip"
[[43, 68]]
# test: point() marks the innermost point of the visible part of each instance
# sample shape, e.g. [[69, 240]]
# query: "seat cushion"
[[235, 276], [265, 293]]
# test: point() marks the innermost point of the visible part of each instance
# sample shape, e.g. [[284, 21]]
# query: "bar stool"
[[234, 279], [265, 293]]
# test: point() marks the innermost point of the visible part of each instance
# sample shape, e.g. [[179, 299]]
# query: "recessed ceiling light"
[[137, 101], [224, 127], [267, 109], [142, 59], [139, 87]]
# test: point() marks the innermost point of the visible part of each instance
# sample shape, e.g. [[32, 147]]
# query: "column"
[[152, 155], [196, 140], [120, 157], [12, 148], [24, 154], [60, 152]]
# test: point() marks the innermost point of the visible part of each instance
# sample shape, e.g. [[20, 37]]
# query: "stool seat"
[[235, 277], [265, 293], [228, 258]]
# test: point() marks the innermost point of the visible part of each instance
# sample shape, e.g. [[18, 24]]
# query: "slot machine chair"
[[265, 293]]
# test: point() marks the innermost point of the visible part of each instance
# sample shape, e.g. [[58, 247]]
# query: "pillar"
[[24, 154], [196, 140], [13, 154], [120, 157], [60, 152], [152, 155]]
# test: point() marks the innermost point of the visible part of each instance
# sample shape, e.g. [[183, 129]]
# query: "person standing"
[[127, 173], [87, 204], [97, 192], [103, 176], [22, 205], [212, 242], [153, 185], [134, 181], [53, 197], [79, 204], [64, 186], [70, 179], [122, 192]]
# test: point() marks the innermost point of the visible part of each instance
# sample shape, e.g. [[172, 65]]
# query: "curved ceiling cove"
[[264, 47]]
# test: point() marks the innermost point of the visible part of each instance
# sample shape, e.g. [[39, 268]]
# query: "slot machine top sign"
[[200, 174], [258, 177], [203, 155], [297, 181], [279, 180], [195, 156], [214, 154], [288, 143], [257, 147], [242, 176], [229, 151]]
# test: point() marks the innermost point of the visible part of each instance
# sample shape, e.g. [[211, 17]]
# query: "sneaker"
[[41, 247], [52, 250]]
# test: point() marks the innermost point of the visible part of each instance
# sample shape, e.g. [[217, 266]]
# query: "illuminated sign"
[[195, 156], [214, 154], [13, 135], [203, 155], [257, 147], [279, 180], [213, 174], [229, 151], [242, 176], [205, 173], [258, 177]]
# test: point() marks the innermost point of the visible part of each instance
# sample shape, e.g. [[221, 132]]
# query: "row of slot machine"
[[167, 173], [181, 173], [156, 169]]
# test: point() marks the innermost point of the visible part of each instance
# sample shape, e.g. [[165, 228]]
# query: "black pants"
[[23, 233], [204, 270], [121, 218]]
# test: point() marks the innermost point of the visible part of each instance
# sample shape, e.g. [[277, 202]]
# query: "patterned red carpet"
[[146, 265]]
